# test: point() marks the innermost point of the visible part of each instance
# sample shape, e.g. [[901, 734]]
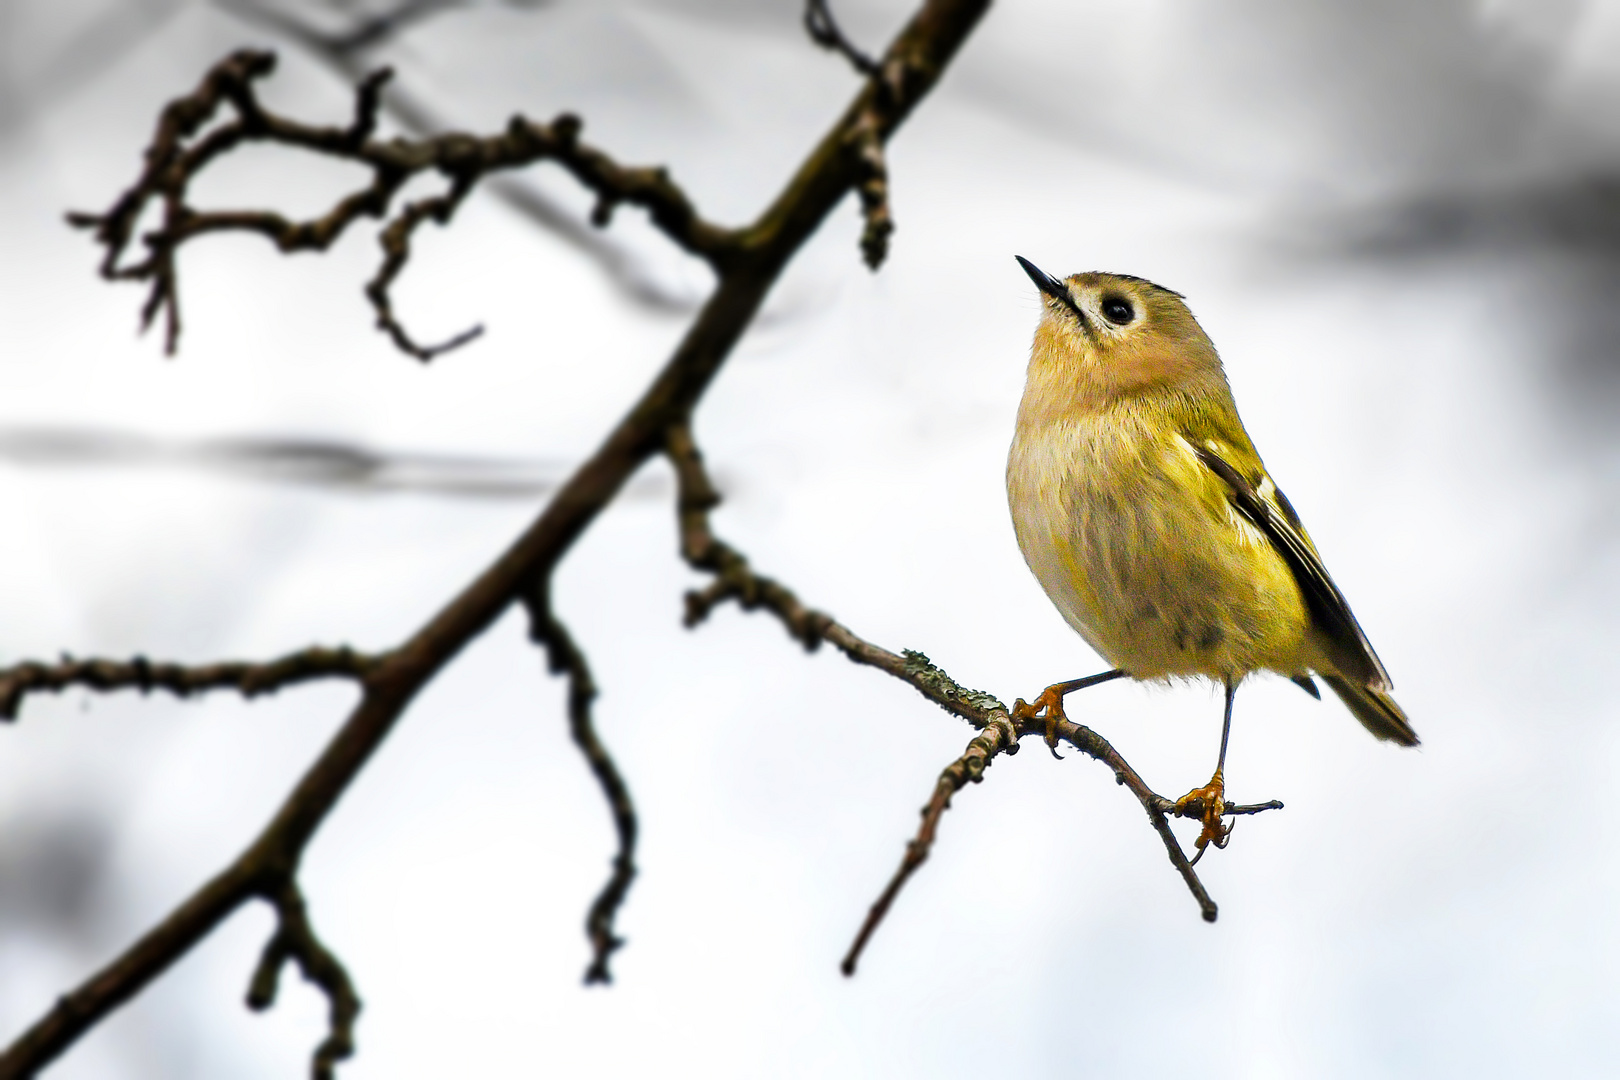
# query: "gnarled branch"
[[344, 51], [747, 263], [999, 731], [566, 659], [139, 673], [181, 149], [294, 939]]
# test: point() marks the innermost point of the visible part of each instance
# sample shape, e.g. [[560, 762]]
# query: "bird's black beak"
[[1054, 288], [1045, 282]]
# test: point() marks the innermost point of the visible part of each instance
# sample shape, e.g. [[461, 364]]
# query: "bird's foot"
[[1207, 805], [1048, 707]]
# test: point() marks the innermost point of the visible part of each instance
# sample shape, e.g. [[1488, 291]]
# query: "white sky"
[[1394, 221]]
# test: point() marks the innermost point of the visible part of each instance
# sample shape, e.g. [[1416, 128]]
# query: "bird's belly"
[[1161, 582]]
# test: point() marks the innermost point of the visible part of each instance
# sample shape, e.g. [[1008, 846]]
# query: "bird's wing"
[[1268, 510]]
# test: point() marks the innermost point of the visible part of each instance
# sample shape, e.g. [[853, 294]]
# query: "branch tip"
[[824, 31], [181, 150], [565, 657], [294, 939]]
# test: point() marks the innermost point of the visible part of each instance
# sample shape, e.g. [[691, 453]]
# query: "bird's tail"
[[1375, 709]]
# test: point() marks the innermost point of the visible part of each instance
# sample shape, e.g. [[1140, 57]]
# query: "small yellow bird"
[[1147, 516]]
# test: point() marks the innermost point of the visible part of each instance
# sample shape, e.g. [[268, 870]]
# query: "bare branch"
[[294, 939], [733, 580], [747, 263], [344, 53], [999, 736], [177, 155], [1000, 731], [396, 245], [566, 659], [139, 673], [824, 31], [865, 142]]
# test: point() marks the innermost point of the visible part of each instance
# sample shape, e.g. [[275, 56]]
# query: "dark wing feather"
[[1327, 605]]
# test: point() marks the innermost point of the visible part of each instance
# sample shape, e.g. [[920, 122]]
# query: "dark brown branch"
[[344, 54], [865, 141], [999, 736], [294, 939], [999, 731], [994, 739], [179, 152], [566, 659], [396, 245], [139, 673], [733, 579], [747, 262]]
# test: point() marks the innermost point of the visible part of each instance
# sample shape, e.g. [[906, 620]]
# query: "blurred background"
[[1400, 223]]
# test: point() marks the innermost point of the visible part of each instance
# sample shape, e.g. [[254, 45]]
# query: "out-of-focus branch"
[[733, 579], [346, 54], [825, 31], [566, 658], [181, 149], [864, 140], [294, 939], [747, 263], [139, 673]]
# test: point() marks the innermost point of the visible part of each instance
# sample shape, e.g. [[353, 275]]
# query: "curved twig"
[[566, 659], [999, 731], [825, 31], [181, 150], [747, 263], [294, 939], [344, 52]]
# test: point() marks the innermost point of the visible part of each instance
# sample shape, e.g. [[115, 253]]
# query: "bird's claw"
[[1048, 707], [1208, 805]]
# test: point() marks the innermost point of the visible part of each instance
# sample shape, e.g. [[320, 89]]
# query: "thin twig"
[[138, 673], [566, 659], [865, 143], [747, 263], [181, 149], [294, 939], [345, 54], [999, 736], [824, 31], [999, 731]]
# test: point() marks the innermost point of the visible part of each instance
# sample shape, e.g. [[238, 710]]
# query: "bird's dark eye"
[[1117, 310]]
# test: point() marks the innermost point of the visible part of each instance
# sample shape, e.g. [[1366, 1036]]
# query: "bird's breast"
[[1137, 546]]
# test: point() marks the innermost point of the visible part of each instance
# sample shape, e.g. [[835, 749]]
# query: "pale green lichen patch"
[[922, 673]]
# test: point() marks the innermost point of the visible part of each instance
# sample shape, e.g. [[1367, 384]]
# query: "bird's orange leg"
[[1208, 803], [1049, 705]]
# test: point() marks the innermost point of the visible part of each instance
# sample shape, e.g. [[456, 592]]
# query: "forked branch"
[[746, 261], [294, 940], [999, 731], [185, 144]]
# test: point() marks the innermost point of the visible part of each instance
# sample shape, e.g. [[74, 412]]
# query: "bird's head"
[[1108, 336]]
